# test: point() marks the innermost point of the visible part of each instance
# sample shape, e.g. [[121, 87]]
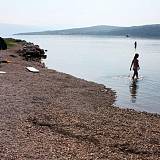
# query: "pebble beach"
[[51, 115]]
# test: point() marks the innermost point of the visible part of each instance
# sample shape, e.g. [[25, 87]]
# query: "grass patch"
[[10, 42]]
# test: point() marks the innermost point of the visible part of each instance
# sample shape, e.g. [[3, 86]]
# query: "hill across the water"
[[146, 31]]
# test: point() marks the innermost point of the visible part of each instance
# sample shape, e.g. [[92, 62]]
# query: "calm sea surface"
[[107, 60]]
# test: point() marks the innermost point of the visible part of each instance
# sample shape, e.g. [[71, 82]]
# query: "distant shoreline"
[[100, 36]]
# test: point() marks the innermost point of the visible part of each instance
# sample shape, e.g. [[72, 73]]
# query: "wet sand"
[[54, 116]]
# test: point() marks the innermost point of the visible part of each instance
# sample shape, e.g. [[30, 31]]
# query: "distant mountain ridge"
[[139, 31], [147, 31]]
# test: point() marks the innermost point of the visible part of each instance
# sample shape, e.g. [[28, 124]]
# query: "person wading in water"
[[135, 45], [135, 64]]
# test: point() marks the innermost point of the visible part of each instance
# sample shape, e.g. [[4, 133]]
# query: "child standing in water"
[[135, 64]]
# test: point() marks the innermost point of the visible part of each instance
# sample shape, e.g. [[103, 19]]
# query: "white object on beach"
[[2, 72], [32, 69]]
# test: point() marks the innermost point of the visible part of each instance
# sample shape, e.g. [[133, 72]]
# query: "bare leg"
[[135, 74]]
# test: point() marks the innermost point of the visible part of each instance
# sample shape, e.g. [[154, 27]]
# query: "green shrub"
[[10, 42]]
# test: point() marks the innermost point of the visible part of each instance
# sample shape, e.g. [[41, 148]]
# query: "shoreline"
[[53, 115]]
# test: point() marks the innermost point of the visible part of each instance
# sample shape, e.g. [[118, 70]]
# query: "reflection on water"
[[134, 90]]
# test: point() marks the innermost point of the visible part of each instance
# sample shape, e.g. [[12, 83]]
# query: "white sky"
[[77, 13]]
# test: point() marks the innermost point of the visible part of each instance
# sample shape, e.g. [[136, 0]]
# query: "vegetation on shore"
[[10, 42]]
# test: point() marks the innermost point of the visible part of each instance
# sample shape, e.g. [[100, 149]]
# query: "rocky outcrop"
[[32, 52]]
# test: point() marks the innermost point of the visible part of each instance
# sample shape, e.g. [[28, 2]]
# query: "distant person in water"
[[135, 45], [135, 65]]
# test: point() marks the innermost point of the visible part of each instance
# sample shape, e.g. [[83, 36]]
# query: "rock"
[[12, 55], [32, 52], [3, 45]]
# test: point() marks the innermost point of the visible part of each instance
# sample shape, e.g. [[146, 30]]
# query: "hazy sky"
[[74, 13]]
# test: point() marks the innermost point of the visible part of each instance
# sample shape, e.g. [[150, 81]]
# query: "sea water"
[[107, 60]]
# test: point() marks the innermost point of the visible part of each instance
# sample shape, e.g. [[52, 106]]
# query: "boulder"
[[32, 52], [3, 45]]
